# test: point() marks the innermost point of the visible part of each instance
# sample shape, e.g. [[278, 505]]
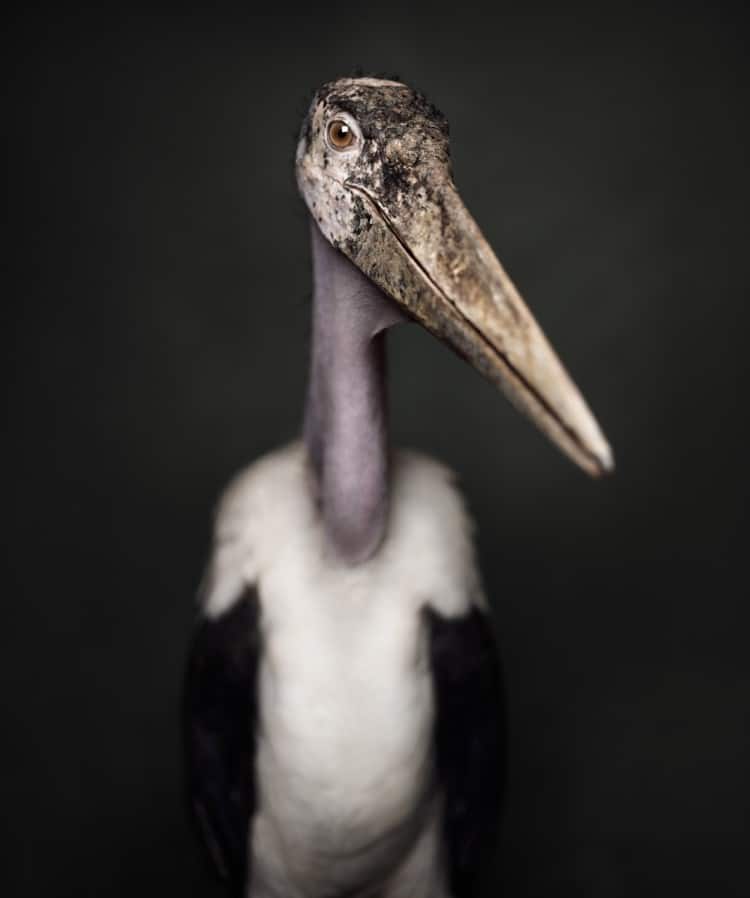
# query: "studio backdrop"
[[157, 342]]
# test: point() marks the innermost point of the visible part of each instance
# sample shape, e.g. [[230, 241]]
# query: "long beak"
[[432, 259]]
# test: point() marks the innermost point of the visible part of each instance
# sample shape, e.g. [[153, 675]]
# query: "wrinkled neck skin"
[[346, 420]]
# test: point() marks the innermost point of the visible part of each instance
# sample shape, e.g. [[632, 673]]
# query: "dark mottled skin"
[[406, 139], [405, 165]]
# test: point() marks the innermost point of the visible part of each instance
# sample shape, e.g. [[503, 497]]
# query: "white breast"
[[344, 753]]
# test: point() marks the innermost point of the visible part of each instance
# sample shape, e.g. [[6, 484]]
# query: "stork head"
[[374, 168]]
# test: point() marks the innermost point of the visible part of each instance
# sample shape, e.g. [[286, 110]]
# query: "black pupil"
[[340, 132]]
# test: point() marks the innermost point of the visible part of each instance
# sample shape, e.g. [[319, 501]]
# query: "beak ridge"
[[436, 263]]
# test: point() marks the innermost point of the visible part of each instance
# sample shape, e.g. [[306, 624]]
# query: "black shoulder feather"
[[469, 740], [220, 712]]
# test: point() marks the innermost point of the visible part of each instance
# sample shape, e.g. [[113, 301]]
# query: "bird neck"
[[346, 417]]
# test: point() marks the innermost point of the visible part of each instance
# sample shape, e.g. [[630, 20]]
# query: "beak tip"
[[605, 462]]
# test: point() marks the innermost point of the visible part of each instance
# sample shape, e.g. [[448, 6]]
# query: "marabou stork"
[[342, 722]]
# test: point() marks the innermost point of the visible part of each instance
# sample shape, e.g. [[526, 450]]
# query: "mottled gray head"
[[373, 166]]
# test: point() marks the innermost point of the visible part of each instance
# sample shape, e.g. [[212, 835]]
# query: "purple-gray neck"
[[346, 420]]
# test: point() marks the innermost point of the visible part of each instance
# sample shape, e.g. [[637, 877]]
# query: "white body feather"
[[344, 754]]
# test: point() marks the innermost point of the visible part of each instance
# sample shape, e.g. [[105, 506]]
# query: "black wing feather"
[[470, 740], [220, 713]]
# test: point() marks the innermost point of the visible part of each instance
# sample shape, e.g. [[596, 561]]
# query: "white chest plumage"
[[344, 757]]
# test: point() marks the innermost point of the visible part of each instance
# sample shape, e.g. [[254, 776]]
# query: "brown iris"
[[340, 134]]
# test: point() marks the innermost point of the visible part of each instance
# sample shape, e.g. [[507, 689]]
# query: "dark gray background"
[[157, 342]]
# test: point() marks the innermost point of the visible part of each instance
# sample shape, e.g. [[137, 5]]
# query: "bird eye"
[[340, 135]]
